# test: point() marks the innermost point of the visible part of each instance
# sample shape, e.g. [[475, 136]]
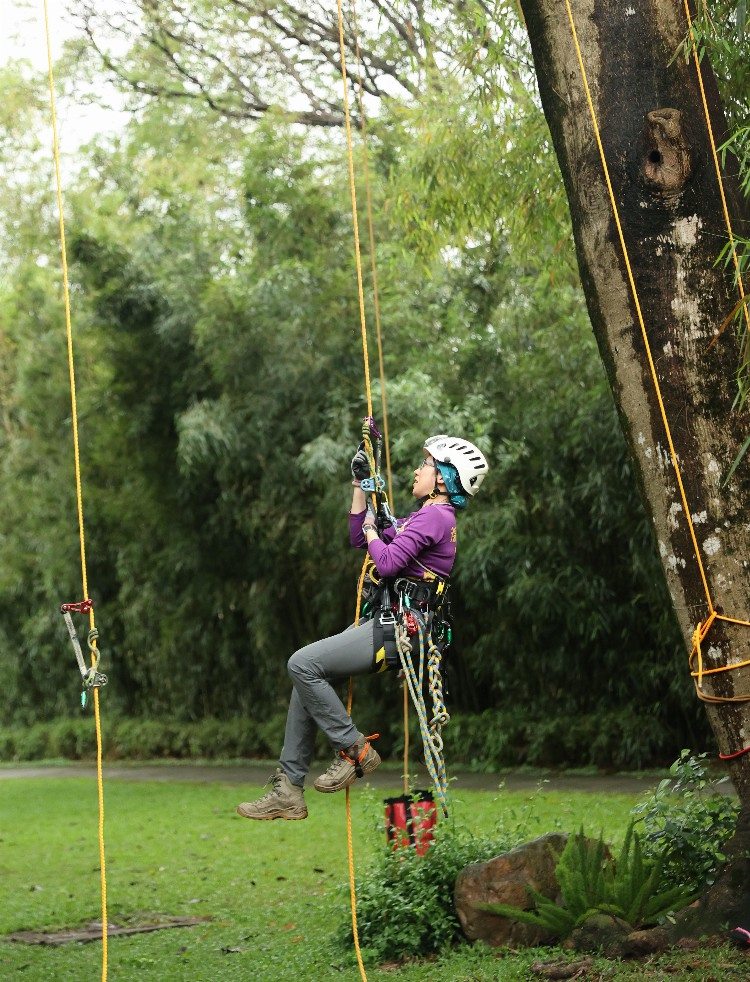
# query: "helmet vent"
[[467, 459]]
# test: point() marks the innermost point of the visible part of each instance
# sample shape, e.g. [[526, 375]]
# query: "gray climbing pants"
[[314, 704]]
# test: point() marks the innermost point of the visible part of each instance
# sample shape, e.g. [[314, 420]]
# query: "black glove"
[[360, 464]]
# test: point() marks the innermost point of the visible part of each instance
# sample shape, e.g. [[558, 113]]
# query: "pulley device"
[[91, 676]]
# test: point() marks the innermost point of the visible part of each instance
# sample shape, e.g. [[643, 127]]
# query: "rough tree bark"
[[656, 142]]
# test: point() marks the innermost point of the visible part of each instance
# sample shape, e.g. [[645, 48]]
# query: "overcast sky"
[[22, 35], [22, 30]]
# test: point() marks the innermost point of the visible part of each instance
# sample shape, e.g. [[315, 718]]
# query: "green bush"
[[618, 739], [405, 901], [137, 739], [7, 743], [32, 742], [71, 738], [481, 741], [686, 823]]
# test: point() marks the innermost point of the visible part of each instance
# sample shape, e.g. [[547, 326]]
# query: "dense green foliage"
[[474, 741], [220, 393], [592, 882], [405, 901], [686, 824]]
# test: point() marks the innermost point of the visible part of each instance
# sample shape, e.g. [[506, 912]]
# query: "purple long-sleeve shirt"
[[427, 535]]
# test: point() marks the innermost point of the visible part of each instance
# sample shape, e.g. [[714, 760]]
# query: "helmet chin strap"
[[435, 493]]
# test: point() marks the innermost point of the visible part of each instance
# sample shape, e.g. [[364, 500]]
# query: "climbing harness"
[[405, 602], [92, 678], [93, 633], [409, 614], [714, 614]]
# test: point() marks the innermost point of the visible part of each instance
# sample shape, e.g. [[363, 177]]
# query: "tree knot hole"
[[667, 160]]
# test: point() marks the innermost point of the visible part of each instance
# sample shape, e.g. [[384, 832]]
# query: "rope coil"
[[431, 731]]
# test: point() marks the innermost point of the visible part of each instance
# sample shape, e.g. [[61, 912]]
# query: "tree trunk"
[[655, 139]]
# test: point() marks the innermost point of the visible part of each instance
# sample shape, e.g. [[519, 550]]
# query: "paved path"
[[258, 774]]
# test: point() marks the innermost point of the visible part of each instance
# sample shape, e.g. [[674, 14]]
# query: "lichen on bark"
[[647, 102]]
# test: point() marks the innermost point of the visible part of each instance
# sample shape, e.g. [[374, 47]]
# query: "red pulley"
[[410, 623], [410, 819]]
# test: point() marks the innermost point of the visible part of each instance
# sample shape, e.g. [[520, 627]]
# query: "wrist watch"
[[369, 528]]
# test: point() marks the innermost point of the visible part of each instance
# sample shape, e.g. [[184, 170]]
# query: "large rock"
[[505, 880]]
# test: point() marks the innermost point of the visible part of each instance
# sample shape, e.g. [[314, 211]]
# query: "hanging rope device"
[[91, 676]]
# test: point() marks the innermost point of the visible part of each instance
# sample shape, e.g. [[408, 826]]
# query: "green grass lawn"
[[275, 891]]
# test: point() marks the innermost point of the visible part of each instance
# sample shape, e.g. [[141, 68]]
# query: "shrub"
[[134, 739], [630, 887], [31, 742], [271, 734], [686, 823], [500, 738], [405, 901], [8, 743], [71, 738]]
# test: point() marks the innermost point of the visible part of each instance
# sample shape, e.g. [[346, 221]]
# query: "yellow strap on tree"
[[78, 483]]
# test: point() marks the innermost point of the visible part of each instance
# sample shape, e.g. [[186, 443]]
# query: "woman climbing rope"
[[412, 560]]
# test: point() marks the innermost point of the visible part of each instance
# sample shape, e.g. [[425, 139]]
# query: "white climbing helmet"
[[468, 460]]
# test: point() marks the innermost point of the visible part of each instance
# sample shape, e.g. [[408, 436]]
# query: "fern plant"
[[630, 887]]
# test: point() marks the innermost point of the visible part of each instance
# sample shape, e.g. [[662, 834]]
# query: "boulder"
[[505, 880]]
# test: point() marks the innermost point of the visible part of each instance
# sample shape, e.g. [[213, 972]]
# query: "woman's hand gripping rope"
[[373, 484]]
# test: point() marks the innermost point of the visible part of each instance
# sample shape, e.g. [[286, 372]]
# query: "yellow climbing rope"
[[373, 256], [368, 395], [704, 626], [78, 483], [378, 336]]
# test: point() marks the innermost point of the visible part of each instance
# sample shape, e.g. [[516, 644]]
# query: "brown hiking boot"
[[284, 800], [354, 762]]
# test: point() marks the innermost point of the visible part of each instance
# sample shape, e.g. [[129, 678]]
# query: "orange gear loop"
[[699, 636], [356, 761]]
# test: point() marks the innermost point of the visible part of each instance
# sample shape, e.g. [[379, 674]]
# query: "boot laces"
[[336, 763], [275, 781]]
